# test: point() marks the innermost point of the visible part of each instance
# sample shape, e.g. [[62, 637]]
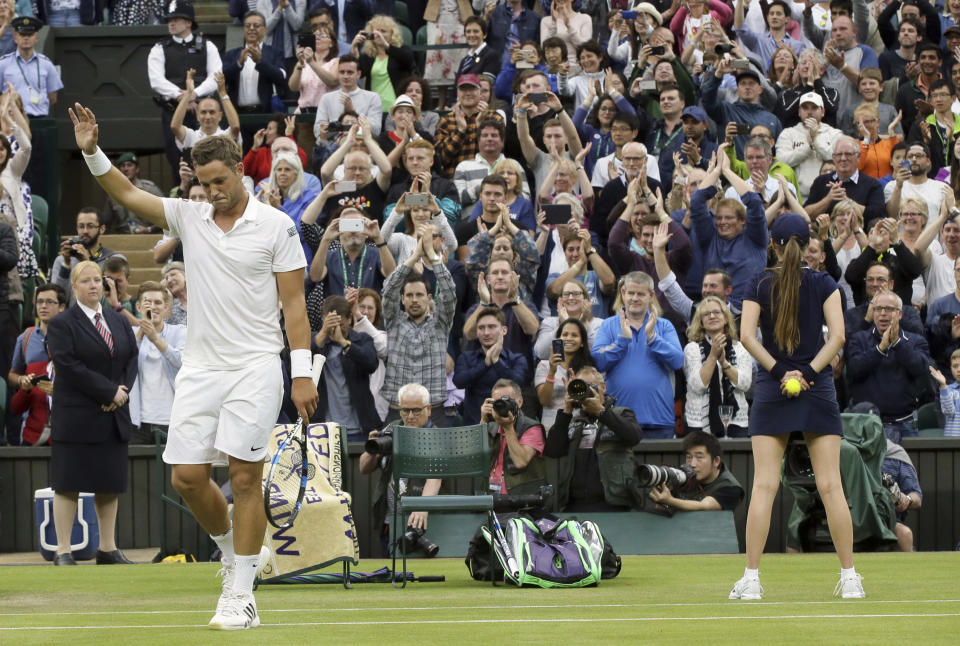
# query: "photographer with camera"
[[415, 408], [517, 441], [594, 441], [83, 246], [712, 487], [901, 480]]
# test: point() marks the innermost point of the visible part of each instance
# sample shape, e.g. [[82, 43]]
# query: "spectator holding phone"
[[383, 59], [33, 397], [569, 352], [361, 259], [357, 186], [416, 210], [599, 278], [161, 346]]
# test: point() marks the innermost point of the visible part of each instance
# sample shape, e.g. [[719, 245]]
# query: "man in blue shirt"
[[33, 75], [639, 351]]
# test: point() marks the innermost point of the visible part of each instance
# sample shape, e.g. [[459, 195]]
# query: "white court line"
[[502, 621], [859, 602]]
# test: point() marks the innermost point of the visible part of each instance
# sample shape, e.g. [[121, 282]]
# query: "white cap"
[[812, 97]]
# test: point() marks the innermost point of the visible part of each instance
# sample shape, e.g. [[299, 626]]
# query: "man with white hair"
[[808, 144], [846, 181], [634, 159]]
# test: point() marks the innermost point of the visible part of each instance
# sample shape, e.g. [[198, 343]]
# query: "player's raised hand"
[[85, 128]]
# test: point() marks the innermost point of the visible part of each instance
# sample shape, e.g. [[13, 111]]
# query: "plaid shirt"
[[455, 145], [417, 351]]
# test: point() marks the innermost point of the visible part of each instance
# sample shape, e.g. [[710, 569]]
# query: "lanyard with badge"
[[34, 91], [657, 148], [343, 265]]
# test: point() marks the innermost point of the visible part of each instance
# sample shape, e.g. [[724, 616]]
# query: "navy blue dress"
[[814, 410]]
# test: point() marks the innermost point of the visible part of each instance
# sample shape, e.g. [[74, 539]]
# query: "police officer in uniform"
[[167, 66], [32, 74], [36, 80]]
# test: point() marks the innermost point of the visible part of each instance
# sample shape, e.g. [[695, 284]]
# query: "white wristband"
[[301, 364], [98, 163]]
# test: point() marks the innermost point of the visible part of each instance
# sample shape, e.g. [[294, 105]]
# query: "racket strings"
[[285, 484]]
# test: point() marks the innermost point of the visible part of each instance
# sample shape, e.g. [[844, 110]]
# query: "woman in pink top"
[[692, 18], [315, 73]]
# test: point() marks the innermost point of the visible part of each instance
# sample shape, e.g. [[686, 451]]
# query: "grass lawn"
[[655, 600]]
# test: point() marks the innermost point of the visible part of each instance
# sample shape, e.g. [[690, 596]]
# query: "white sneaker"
[[239, 613], [226, 585], [850, 588], [747, 590]]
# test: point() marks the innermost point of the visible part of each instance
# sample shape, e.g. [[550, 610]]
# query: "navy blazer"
[[271, 72], [87, 376], [358, 365]]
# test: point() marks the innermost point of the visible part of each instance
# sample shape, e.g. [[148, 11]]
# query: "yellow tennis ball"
[[792, 386]]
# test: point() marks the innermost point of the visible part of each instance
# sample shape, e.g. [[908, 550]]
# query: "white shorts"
[[217, 412]]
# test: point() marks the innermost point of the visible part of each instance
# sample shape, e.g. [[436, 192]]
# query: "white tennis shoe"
[[850, 587], [239, 612], [747, 590], [227, 571]]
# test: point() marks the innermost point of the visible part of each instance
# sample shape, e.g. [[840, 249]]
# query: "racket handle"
[[431, 579]]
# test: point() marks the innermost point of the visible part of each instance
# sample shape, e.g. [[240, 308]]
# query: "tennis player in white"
[[242, 257]]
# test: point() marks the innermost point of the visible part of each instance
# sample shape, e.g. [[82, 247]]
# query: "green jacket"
[[776, 168], [649, 100], [871, 507]]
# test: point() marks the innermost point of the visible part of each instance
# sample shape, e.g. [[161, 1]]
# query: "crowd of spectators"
[[590, 195]]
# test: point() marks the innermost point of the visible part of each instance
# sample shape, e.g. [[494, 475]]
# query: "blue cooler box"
[[85, 537]]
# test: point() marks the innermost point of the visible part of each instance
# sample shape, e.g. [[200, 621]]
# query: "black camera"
[[723, 48], [892, 487], [336, 126], [382, 443], [652, 475], [414, 539], [505, 406], [72, 241], [578, 390], [658, 50], [367, 34]]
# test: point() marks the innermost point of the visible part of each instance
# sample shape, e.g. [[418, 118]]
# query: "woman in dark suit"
[[383, 59], [94, 352]]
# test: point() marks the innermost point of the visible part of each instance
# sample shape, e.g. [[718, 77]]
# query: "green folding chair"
[[401, 13], [41, 222], [458, 452], [407, 35], [930, 432], [927, 415], [421, 54]]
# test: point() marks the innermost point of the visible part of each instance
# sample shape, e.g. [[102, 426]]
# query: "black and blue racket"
[[290, 470]]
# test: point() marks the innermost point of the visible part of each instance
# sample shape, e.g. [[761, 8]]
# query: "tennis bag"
[[550, 553]]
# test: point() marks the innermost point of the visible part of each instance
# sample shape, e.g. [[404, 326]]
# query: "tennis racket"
[[511, 562], [290, 470]]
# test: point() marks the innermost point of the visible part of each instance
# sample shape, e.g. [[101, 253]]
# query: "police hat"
[[26, 25], [180, 9]]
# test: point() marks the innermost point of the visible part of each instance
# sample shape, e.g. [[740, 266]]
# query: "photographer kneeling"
[[414, 400], [712, 486], [517, 441], [596, 440]]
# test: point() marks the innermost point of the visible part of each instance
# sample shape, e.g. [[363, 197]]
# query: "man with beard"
[[695, 149], [352, 264], [84, 246], [114, 217], [912, 181]]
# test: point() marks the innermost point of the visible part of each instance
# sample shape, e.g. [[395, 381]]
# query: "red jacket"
[[35, 402], [256, 163]]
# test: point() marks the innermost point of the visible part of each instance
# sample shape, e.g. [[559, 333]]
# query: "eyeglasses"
[[916, 155], [886, 309], [44, 301], [912, 215], [571, 294], [941, 95], [412, 411], [713, 313]]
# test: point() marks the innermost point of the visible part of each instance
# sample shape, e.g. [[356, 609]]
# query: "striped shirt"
[[416, 352], [950, 405]]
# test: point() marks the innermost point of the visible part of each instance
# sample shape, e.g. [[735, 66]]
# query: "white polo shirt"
[[234, 301]]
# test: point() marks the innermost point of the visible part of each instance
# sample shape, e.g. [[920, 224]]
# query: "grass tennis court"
[[656, 599]]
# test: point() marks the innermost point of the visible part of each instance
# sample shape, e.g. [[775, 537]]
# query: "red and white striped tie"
[[104, 332]]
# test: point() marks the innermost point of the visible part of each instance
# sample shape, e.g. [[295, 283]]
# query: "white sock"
[[848, 573], [225, 543], [246, 572], [751, 574]]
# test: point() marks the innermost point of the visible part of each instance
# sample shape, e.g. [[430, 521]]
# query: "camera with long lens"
[[382, 443], [505, 406], [654, 475], [415, 539], [579, 389], [723, 48], [514, 502]]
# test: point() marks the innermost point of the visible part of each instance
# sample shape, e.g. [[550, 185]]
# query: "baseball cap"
[[695, 112], [812, 97], [751, 71], [468, 79], [790, 225]]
